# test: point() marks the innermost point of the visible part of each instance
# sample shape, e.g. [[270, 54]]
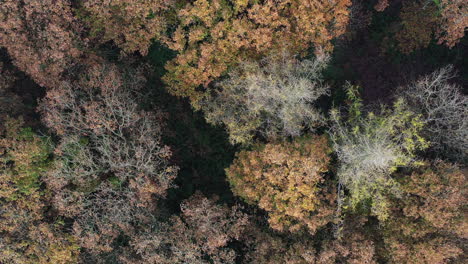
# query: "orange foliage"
[[40, 36], [454, 21], [214, 35], [286, 180], [131, 24], [429, 223], [266, 247]]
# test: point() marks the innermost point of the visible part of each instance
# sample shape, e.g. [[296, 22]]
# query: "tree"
[[215, 35], [444, 109], [287, 181], [273, 98], [360, 17], [381, 5], [428, 223], [353, 244], [264, 246], [26, 233], [99, 108], [370, 147], [111, 212], [201, 234], [130, 24], [419, 21], [454, 21], [353, 249], [109, 158], [422, 20], [41, 37]]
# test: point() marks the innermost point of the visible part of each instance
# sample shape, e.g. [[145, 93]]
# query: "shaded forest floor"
[[370, 58]]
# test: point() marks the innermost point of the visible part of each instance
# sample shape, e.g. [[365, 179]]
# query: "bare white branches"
[[111, 166], [274, 97]]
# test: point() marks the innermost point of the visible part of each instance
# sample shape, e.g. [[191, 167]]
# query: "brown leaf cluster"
[[429, 224], [105, 215], [381, 5], [40, 36], [419, 21], [201, 234], [353, 246], [110, 166], [264, 247], [287, 181], [130, 24], [214, 35], [454, 21], [352, 249]]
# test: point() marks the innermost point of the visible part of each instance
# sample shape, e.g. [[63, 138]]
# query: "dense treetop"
[[233, 131]]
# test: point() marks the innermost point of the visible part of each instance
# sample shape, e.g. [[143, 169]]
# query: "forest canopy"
[[233, 131]]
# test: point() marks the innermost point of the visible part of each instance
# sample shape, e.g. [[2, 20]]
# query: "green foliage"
[[25, 233], [26, 159], [108, 194], [370, 147]]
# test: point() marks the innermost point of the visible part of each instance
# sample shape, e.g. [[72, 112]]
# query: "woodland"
[[233, 131]]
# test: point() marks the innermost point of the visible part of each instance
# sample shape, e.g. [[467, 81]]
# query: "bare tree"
[[108, 212], [111, 166], [121, 139], [273, 97], [445, 111]]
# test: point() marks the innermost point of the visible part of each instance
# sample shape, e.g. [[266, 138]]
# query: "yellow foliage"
[[286, 180]]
